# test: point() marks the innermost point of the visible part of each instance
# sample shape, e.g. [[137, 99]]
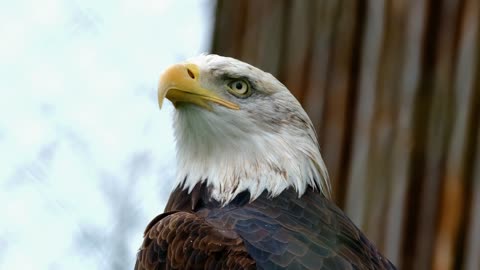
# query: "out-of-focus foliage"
[[393, 88]]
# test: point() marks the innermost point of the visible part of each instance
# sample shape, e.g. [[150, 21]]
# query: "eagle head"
[[237, 128]]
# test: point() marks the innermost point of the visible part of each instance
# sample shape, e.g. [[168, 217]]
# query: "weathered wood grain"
[[393, 89], [404, 135]]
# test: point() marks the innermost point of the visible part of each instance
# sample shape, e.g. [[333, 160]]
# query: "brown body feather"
[[285, 232], [182, 240]]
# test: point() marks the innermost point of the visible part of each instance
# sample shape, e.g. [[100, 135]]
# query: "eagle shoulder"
[[184, 240], [284, 232], [288, 232]]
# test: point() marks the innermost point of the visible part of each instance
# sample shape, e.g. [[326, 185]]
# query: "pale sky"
[[86, 157]]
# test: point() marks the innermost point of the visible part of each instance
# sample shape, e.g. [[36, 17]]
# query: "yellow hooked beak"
[[180, 83]]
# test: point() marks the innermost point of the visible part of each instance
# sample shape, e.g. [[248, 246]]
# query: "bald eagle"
[[252, 190]]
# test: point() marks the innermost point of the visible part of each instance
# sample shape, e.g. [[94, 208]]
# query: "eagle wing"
[[183, 240], [285, 232]]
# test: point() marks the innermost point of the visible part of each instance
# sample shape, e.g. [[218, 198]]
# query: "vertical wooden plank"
[[294, 71], [314, 97], [404, 129], [271, 35], [433, 116], [453, 194], [364, 113], [255, 19], [472, 235], [383, 131], [472, 248], [252, 31], [229, 27], [252, 25], [339, 85]]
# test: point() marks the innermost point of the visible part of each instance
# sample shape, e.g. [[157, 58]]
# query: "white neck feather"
[[235, 158]]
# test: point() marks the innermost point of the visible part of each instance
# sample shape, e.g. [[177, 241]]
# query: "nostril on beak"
[[190, 73]]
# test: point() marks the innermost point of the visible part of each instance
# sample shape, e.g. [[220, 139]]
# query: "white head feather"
[[269, 144]]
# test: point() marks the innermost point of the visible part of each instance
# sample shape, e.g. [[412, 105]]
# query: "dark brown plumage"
[[285, 232], [182, 240]]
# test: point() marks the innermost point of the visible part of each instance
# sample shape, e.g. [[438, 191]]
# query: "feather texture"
[[285, 232]]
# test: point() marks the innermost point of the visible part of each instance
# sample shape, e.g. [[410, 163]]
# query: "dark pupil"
[[238, 85]]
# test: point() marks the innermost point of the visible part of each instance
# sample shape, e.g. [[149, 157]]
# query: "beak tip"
[[160, 103]]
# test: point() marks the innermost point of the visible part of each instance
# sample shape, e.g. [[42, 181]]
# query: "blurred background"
[[393, 88]]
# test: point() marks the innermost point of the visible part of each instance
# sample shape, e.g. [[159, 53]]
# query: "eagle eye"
[[239, 88]]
